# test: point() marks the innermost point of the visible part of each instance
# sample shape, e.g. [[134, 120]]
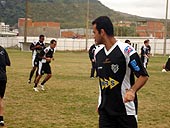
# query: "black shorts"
[[44, 68], [2, 88], [122, 121], [36, 62]]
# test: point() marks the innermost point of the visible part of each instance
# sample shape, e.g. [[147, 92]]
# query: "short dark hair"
[[52, 41], [104, 22], [127, 41], [146, 41], [41, 36]]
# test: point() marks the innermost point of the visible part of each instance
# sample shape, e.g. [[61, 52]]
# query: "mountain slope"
[[70, 13]]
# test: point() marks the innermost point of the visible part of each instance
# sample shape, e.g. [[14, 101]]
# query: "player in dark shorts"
[[36, 48], [145, 53], [46, 56], [4, 61], [117, 105]]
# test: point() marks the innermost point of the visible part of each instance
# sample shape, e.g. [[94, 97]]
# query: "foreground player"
[[4, 61], [36, 48], [117, 106], [46, 56]]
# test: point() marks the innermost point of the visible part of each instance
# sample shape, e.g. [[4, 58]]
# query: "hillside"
[[70, 13]]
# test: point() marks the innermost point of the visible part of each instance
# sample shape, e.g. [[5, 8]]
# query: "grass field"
[[70, 98]]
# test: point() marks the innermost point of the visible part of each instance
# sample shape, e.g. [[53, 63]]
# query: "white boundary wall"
[[67, 44]]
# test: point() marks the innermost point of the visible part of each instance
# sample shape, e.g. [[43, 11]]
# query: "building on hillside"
[[123, 23], [4, 27], [150, 28], [5, 30], [49, 29], [76, 33]]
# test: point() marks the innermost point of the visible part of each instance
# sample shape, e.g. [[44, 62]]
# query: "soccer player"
[[4, 61], [36, 48], [91, 56], [117, 105], [46, 56], [145, 53]]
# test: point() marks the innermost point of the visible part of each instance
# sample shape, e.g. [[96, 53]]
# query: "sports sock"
[[35, 85], [31, 74], [43, 82], [1, 118]]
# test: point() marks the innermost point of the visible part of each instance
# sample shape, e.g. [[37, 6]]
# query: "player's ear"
[[102, 32]]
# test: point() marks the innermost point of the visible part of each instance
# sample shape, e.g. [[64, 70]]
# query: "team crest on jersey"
[[115, 67], [128, 50], [46, 50]]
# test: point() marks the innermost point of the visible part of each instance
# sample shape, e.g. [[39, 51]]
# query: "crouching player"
[[166, 67]]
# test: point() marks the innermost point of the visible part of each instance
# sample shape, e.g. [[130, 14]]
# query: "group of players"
[[41, 58], [117, 63], [145, 55]]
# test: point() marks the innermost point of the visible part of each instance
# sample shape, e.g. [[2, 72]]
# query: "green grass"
[[70, 99]]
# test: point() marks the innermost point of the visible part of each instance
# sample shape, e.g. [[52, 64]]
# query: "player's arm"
[[91, 55], [42, 54], [142, 76], [33, 46], [8, 62], [52, 57]]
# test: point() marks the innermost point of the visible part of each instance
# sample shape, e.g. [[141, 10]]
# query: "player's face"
[[147, 44], [42, 39], [97, 36], [53, 45]]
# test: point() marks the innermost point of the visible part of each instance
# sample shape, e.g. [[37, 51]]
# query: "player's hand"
[[146, 56], [92, 60], [129, 96], [97, 110], [48, 59], [38, 46]]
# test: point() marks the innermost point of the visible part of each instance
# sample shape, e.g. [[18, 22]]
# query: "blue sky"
[[145, 8]]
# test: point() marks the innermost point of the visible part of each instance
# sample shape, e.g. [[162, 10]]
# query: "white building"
[[4, 27], [4, 30]]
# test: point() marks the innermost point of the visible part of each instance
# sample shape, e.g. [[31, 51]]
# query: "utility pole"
[[26, 18], [87, 24], [165, 35]]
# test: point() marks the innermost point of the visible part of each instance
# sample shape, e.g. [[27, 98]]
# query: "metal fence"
[[68, 44]]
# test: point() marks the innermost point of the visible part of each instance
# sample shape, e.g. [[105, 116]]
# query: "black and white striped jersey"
[[47, 52], [114, 70], [36, 51]]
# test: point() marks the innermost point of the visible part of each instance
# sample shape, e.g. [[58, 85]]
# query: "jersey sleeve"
[[134, 61], [32, 46], [91, 52], [136, 65]]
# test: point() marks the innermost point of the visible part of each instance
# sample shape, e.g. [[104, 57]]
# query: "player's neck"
[[109, 42]]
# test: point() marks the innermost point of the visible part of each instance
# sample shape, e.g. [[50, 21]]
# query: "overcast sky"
[[145, 8]]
